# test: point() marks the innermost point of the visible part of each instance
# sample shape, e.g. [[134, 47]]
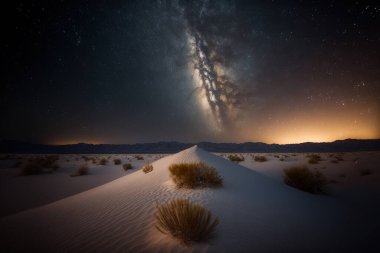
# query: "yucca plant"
[[192, 175], [186, 221]]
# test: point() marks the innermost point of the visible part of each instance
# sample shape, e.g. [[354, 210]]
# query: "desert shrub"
[[365, 172], [117, 161], [334, 161], [314, 159], [103, 161], [282, 159], [86, 158], [186, 221], [147, 168], [127, 166], [192, 175], [39, 165], [139, 157], [276, 156], [304, 179], [236, 158], [260, 158], [82, 170]]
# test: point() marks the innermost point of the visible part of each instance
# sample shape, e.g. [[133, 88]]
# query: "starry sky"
[[223, 71]]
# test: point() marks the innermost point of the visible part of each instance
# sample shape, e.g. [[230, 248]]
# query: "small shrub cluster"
[[40, 165], [147, 168], [127, 166], [314, 158], [139, 157], [117, 161], [192, 175], [103, 161], [236, 158], [260, 158], [82, 170], [186, 221], [304, 179]]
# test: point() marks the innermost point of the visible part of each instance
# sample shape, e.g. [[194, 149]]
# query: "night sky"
[[224, 71]]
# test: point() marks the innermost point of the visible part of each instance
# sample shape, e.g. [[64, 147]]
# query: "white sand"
[[18, 193], [257, 214]]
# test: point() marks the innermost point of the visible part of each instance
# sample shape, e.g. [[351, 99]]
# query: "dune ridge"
[[256, 213]]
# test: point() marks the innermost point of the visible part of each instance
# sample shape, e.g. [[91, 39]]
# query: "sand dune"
[[257, 214]]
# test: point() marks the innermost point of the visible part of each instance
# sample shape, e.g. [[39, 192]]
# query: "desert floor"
[[111, 209]]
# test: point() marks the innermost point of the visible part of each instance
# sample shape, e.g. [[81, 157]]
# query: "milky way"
[[202, 70]]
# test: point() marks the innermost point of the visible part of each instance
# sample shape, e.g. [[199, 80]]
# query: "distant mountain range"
[[349, 145]]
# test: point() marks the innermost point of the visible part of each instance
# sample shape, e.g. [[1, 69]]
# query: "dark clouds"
[[118, 72]]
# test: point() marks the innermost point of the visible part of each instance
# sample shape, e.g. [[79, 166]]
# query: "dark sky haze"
[[225, 71]]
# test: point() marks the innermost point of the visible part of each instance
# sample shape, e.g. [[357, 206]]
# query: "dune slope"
[[257, 214]]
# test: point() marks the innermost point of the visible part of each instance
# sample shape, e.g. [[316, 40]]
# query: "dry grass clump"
[[304, 179], [236, 158], [82, 170], [192, 175], [147, 168], [186, 221], [314, 158], [86, 158], [127, 166], [40, 165], [260, 158], [139, 157], [117, 161], [103, 161]]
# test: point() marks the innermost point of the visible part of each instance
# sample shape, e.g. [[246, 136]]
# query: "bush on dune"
[[236, 158], [314, 159], [139, 157], [40, 165], [304, 179], [127, 166], [186, 221], [192, 175], [117, 161], [103, 161], [260, 158], [147, 168], [82, 170]]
